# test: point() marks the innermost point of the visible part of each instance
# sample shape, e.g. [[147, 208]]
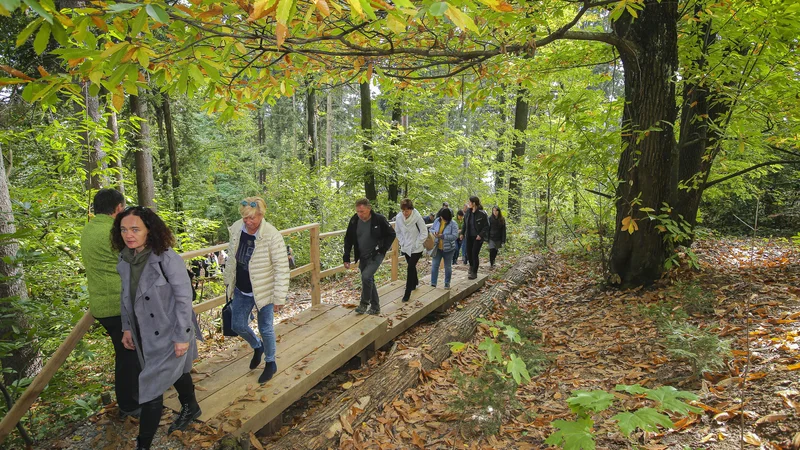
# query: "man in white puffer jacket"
[[257, 274], [411, 234]]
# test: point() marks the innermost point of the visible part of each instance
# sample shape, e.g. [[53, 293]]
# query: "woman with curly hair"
[[157, 317]]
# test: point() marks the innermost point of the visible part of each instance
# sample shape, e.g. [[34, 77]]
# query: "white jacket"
[[269, 265], [411, 232]]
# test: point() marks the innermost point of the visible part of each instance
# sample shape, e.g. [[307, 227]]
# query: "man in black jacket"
[[370, 236]]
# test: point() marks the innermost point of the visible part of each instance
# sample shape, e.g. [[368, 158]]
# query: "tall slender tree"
[[370, 190], [145, 186], [515, 194]]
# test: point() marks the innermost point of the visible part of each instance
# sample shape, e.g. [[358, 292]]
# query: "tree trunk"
[[145, 189], [173, 152], [114, 127], [650, 60], [25, 361], [402, 370], [163, 155], [500, 159], [517, 157], [328, 131], [366, 127], [393, 188], [311, 125], [91, 143], [262, 142]]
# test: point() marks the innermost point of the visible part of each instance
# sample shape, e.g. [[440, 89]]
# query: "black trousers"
[[459, 243], [492, 255], [473, 252], [412, 277], [151, 411], [126, 366]]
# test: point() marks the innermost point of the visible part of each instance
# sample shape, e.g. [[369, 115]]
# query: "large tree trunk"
[[172, 150], [500, 159], [402, 370], [145, 186], [91, 143], [393, 187], [311, 124], [163, 156], [517, 157], [366, 127], [114, 127], [24, 361], [650, 59]]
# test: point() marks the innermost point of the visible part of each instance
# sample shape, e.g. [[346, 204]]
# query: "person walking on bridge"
[[369, 236], [411, 234], [100, 262], [256, 275], [157, 317], [475, 231]]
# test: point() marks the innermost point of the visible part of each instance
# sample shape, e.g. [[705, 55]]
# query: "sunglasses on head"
[[252, 204], [137, 208]]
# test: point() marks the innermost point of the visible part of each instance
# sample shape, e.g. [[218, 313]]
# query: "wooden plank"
[[232, 382], [406, 316], [332, 234], [209, 304], [282, 391], [235, 362], [332, 271], [316, 293], [298, 229], [463, 289], [38, 384], [203, 251], [301, 270]]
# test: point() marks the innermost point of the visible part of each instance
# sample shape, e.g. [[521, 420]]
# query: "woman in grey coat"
[[157, 317]]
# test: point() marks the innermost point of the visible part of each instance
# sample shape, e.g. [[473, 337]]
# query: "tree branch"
[[601, 194], [749, 169], [783, 150]]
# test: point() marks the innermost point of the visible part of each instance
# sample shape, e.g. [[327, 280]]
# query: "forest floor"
[[746, 293]]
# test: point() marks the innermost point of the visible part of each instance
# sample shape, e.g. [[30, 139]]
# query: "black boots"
[[257, 352], [269, 370], [189, 412], [142, 445]]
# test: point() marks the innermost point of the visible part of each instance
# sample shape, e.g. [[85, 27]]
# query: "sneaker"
[[433, 285], [361, 309], [472, 276], [189, 412], [447, 285], [406, 298], [269, 370], [373, 311], [257, 352], [134, 413]]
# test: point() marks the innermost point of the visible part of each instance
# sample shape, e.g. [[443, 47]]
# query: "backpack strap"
[[164, 274]]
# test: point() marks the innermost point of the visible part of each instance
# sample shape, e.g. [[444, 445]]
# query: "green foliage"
[[702, 349], [579, 433]]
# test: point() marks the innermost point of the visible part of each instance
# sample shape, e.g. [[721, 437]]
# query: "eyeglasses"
[[252, 204], [136, 208]]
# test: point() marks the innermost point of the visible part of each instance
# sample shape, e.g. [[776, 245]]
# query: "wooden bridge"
[[310, 345]]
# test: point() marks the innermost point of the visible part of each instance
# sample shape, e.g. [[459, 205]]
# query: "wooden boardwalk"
[[310, 346]]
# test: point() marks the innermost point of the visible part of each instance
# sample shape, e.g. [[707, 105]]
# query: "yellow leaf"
[[752, 439], [255, 443], [460, 19], [280, 33], [395, 24], [793, 366], [42, 71], [118, 99], [356, 5], [347, 385], [625, 223], [323, 8]]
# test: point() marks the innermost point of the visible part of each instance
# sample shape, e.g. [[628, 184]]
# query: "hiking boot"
[[472, 275], [142, 445], [189, 412], [269, 370], [361, 309], [257, 352], [447, 285], [374, 311], [406, 298]]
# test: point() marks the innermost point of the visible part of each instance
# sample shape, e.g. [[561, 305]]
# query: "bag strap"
[[164, 274]]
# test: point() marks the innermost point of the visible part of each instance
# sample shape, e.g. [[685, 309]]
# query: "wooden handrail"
[[24, 402]]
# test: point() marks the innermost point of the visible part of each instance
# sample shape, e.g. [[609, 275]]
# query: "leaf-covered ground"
[[595, 338]]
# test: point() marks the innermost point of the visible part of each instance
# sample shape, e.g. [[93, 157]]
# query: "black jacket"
[[381, 230], [481, 223], [497, 230]]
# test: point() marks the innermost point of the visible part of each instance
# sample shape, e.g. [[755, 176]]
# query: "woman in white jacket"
[[411, 233]]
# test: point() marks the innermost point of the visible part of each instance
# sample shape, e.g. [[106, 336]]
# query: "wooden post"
[[38, 384], [395, 259], [316, 296]]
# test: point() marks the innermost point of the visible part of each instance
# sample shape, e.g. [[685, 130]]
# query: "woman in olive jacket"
[[157, 317], [474, 232]]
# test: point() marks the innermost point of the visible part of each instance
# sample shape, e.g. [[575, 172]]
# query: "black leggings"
[[492, 255], [473, 253], [151, 411], [412, 278]]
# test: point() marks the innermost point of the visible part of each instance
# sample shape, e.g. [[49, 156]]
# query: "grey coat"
[[164, 313]]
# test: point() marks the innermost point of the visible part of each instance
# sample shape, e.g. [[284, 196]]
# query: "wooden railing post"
[[395, 260], [316, 293], [38, 384]]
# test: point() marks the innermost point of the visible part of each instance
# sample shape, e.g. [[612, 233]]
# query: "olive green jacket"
[[100, 261]]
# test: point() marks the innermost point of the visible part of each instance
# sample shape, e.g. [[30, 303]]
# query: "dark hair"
[[445, 205], [406, 203], [363, 202], [499, 214], [159, 236], [460, 213], [446, 214], [476, 201], [107, 200]]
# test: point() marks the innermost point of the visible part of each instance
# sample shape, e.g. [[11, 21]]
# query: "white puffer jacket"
[[411, 232], [269, 265]]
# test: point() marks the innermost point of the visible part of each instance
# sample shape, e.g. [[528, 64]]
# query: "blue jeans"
[[448, 266], [241, 307]]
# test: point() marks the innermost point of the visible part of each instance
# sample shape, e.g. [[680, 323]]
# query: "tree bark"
[[311, 124], [402, 370], [114, 127], [145, 186], [500, 159], [517, 157], [650, 58], [393, 187], [92, 144], [262, 142], [26, 360], [172, 150], [366, 126]]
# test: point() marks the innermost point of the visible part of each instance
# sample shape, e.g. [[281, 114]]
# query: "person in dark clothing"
[[497, 233], [459, 241], [369, 236], [429, 218], [475, 231]]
